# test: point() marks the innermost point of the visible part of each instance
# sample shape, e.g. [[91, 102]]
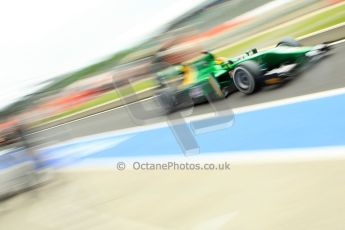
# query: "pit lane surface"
[[326, 75], [303, 195]]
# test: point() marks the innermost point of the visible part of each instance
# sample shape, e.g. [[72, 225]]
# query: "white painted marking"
[[337, 42], [322, 31], [292, 100]]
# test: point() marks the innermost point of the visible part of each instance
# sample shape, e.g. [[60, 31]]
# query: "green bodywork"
[[213, 77], [272, 58]]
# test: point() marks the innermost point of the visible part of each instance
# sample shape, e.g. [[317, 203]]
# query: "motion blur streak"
[[222, 78]]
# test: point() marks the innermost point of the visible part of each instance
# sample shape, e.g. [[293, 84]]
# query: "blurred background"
[[84, 93]]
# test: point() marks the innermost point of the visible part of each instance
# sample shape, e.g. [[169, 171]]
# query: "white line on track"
[[321, 31], [337, 42]]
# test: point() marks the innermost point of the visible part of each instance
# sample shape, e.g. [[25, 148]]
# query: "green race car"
[[210, 78]]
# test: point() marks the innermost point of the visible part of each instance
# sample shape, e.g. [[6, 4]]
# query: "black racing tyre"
[[289, 42], [247, 76]]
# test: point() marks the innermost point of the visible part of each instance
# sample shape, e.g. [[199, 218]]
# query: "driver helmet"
[[220, 60]]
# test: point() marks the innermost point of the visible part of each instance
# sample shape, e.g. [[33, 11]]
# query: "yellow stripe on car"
[[189, 75]]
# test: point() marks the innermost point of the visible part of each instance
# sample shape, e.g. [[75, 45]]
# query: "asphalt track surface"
[[327, 74]]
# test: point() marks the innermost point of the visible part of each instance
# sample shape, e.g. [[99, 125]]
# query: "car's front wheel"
[[246, 77]]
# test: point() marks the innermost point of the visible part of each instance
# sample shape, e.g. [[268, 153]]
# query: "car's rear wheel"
[[289, 42], [166, 100], [247, 76]]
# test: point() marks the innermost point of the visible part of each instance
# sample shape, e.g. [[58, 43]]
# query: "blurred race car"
[[210, 78]]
